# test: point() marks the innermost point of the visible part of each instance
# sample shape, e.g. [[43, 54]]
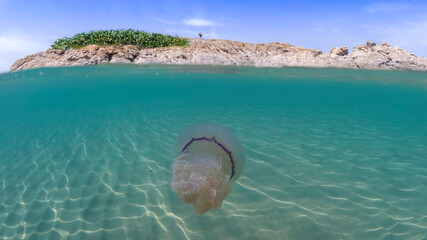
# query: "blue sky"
[[32, 26]]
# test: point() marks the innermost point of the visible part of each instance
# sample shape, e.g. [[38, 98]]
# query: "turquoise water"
[[86, 152]]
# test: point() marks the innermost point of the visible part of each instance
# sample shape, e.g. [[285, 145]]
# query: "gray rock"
[[370, 44], [226, 52], [339, 51]]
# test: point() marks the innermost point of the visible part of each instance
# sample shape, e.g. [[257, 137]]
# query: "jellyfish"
[[209, 158]]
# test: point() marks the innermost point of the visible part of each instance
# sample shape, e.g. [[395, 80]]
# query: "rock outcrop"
[[226, 52], [339, 51]]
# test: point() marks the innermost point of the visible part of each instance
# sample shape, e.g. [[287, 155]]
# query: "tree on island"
[[119, 37]]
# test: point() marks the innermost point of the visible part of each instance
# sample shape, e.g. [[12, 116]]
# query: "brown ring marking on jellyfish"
[[217, 143]]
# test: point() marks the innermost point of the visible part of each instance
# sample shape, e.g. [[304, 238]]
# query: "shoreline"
[[235, 53]]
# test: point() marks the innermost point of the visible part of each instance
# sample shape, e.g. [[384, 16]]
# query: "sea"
[[87, 152]]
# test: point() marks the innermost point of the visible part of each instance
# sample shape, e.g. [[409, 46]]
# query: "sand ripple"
[[98, 165]]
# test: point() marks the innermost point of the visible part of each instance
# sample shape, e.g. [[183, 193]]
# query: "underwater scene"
[[210, 152]]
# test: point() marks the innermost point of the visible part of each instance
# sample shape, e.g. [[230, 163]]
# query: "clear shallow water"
[[86, 152]]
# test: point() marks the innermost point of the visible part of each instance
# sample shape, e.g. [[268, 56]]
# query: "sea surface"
[[86, 152]]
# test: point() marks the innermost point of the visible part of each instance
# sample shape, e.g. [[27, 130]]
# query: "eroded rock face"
[[226, 52], [372, 56], [339, 51]]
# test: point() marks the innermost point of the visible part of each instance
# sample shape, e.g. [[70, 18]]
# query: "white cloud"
[[14, 46], [326, 30], [386, 7], [197, 22], [19, 43], [162, 20]]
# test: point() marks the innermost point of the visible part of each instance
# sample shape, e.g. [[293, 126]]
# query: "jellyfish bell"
[[211, 139], [209, 157]]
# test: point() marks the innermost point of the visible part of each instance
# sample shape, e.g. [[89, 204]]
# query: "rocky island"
[[226, 52]]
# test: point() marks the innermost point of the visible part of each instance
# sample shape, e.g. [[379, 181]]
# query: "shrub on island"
[[119, 37]]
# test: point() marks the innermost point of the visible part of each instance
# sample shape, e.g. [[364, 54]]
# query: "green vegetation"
[[119, 37]]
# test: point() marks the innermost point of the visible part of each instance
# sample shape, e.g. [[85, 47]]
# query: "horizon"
[[32, 27]]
